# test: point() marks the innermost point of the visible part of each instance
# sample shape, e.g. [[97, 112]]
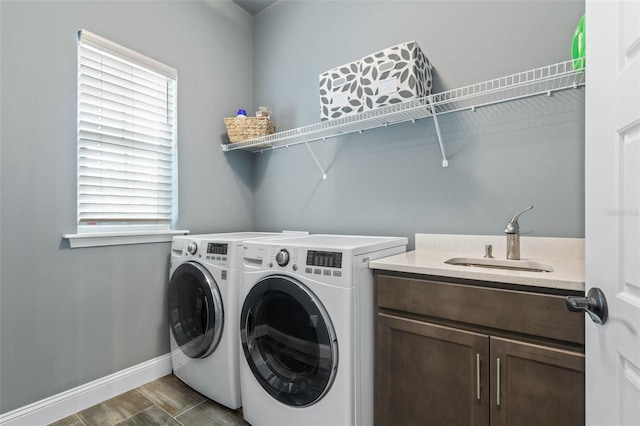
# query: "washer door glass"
[[195, 310], [288, 341]]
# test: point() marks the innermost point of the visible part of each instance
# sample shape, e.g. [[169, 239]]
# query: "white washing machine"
[[204, 310], [306, 329]]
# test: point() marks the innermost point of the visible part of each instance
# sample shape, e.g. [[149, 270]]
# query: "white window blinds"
[[127, 144]]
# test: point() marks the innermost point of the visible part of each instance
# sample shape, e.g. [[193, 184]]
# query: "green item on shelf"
[[578, 46]]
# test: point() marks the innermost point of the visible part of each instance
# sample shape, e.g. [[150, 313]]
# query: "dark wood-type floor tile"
[[153, 416], [170, 394], [115, 409], [72, 420], [211, 413], [166, 401]]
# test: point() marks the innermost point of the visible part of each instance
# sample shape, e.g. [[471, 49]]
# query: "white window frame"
[[100, 220]]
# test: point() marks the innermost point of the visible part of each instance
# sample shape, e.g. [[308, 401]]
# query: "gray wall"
[[72, 316], [390, 181]]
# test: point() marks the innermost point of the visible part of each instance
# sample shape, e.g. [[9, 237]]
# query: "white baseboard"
[[77, 399]]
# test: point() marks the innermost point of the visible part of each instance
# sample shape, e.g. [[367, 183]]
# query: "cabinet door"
[[535, 385], [428, 374]]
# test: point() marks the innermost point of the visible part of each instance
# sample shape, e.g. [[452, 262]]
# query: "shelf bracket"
[[324, 173], [445, 162]]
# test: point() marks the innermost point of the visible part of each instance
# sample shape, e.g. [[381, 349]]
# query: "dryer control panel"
[[216, 253], [217, 248]]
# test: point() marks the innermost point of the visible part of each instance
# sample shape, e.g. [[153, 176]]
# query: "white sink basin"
[[513, 265]]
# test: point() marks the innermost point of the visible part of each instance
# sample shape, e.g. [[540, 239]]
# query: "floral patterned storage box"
[[396, 74], [340, 91]]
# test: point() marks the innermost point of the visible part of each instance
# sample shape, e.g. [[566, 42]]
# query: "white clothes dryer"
[[306, 329], [204, 310]]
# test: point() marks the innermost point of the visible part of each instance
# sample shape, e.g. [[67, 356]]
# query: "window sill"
[[100, 239]]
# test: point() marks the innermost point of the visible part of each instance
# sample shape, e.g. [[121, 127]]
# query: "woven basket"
[[241, 129]]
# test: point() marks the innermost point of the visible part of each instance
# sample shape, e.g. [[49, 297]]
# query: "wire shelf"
[[544, 80]]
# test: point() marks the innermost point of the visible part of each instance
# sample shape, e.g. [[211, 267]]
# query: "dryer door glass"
[[195, 310], [288, 341]]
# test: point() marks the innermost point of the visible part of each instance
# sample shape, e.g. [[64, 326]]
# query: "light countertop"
[[565, 255]]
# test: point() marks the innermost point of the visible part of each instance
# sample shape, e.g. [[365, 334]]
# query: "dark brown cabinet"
[[456, 353], [428, 374], [536, 385]]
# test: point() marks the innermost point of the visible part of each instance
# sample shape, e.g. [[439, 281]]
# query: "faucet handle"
[[513, 227], [488, 251]]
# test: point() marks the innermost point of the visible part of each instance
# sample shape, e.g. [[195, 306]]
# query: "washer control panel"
[[282, 258], [326, 263], [329, 259], [315, 262], [287, 258]]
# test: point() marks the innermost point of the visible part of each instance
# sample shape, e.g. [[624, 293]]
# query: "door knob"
[[595, 304]]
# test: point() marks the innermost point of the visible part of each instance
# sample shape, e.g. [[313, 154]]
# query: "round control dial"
[[192, 248], [282, 258]]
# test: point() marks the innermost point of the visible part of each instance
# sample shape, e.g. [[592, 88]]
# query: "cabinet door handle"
[[478, 375], [498, 382]]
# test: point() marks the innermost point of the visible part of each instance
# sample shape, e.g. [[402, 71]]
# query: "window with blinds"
[[127, 139]]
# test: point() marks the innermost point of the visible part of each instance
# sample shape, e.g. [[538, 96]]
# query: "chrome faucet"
[[513, 236]]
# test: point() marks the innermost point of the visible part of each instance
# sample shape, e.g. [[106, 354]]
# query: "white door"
[[613, 209]]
